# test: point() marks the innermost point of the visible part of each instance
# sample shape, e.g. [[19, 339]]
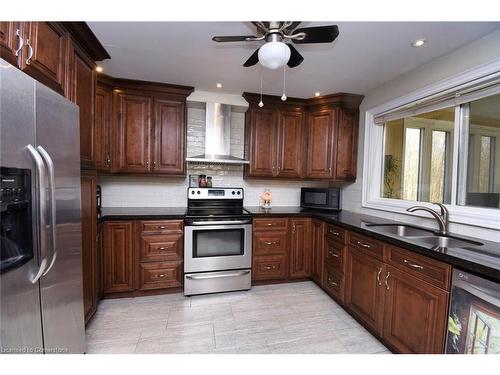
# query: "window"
[[416, 157], [438, 144]]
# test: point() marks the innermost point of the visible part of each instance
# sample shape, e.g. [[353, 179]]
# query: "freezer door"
[[20, 318], [58, 140]]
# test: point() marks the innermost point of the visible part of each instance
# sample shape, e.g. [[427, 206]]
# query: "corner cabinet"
[[302, 138], [300, 248]]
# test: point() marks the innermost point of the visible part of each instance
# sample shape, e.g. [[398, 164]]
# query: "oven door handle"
[[219, 275], [221, 222]]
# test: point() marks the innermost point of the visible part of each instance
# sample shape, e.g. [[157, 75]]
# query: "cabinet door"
[[347, 145], [262, 140], [290, 141], [364, 295], [9, 41], [118, 257], [318, 243], [81, 91], [46, 55], [133, 133], [102, 128], [170, 138], [320, 144], [415, 314], [90, 269], [300, 250]]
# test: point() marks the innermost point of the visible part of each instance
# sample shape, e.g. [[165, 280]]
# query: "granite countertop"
[[482, 260]]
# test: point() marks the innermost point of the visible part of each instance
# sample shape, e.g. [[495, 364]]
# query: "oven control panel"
[[215, 193]]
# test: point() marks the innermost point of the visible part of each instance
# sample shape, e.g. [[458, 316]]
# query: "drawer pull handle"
[[334, 233], [335, 255], [272, 243], [162, 227], [366, 246], [269, 224], [161, 276], [270, 268], [418, 266], [386, 279], [331, 282], [378, 276], [162, 248]]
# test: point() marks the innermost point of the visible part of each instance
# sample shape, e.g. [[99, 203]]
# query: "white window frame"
[[373, 155]]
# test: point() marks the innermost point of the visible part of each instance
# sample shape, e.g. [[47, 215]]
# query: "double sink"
[[424, 236]]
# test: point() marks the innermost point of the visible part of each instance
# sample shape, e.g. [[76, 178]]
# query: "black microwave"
[[320, 198]]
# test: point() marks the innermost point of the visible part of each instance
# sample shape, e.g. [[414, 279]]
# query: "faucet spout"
[[442, 218]]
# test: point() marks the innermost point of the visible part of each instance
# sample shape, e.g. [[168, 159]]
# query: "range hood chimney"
[[217, 136]]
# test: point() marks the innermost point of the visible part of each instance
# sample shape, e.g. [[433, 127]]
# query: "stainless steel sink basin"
[[441, 241], [401, 230]]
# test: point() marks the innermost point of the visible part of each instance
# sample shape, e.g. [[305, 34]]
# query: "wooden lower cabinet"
[[300, 248], [415, 314], [119, 275], [90, 260], [317, 250], [160, 275], [270, 267], [365, 293]]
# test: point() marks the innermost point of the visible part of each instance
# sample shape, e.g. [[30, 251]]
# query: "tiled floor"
[[281, 318]]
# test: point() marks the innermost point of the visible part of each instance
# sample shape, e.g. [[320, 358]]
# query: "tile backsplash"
[[148, 191]]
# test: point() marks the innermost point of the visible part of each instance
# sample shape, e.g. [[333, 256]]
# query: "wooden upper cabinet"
[[10, 41], [300, 248], [132, 133], [320, 144], [169, 137], [81, 91], [290, 141], [102, 128], [347, 145], [415, 314], [45, 53], [262, 141], [365, 292], [119, 256]]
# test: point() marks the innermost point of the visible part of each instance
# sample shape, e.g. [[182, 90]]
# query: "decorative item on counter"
[[209, 181], [202, 181], [266, 198], [193, 180]]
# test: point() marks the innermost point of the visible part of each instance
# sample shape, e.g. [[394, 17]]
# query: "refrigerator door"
[[20, 317], [57, 139]]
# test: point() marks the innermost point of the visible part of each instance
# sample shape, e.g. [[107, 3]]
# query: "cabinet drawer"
[[335, 233], [334, 255], [269, 267], [427, 269], [269, 243], [270, 224], [160, 275], [171, 226], [367, 245], [333, 283], [161, 247]]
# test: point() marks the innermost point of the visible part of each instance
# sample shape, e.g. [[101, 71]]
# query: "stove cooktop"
[[219, 212]]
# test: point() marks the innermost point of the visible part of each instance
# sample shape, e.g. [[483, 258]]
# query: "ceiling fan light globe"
[[274, 55]]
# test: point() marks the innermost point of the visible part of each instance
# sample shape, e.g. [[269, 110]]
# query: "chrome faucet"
[[442, 219]]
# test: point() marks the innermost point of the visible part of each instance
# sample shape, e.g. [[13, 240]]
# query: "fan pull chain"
[[283, 97], [261, 104]]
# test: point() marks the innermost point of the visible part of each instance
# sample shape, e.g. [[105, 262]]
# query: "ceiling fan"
[[275, 53]]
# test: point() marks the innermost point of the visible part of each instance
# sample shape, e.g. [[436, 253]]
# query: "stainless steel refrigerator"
[[41, 305]]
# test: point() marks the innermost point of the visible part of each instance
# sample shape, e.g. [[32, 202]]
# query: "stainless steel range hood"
[[217, 137]]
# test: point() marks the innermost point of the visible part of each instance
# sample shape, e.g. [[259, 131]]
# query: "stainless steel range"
[[217, 241]]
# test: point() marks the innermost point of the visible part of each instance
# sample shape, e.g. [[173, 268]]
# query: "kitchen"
[[247, 203]]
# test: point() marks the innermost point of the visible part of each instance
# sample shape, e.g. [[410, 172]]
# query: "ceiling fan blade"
[[252, 60], [318, 34], [261, 26], [293, 25], [295, 57], [238, 38]]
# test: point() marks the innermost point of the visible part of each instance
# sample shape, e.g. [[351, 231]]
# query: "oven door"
[[217, 247]]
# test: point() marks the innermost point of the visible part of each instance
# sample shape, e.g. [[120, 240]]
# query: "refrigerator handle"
[[52, 195], [41, 202]]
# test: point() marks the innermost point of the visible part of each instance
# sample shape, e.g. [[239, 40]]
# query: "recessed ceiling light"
[[98, 69], [317, 94], [419, 43], [219, 85]]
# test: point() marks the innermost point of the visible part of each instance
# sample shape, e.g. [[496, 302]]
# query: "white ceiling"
[[364, 56]]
